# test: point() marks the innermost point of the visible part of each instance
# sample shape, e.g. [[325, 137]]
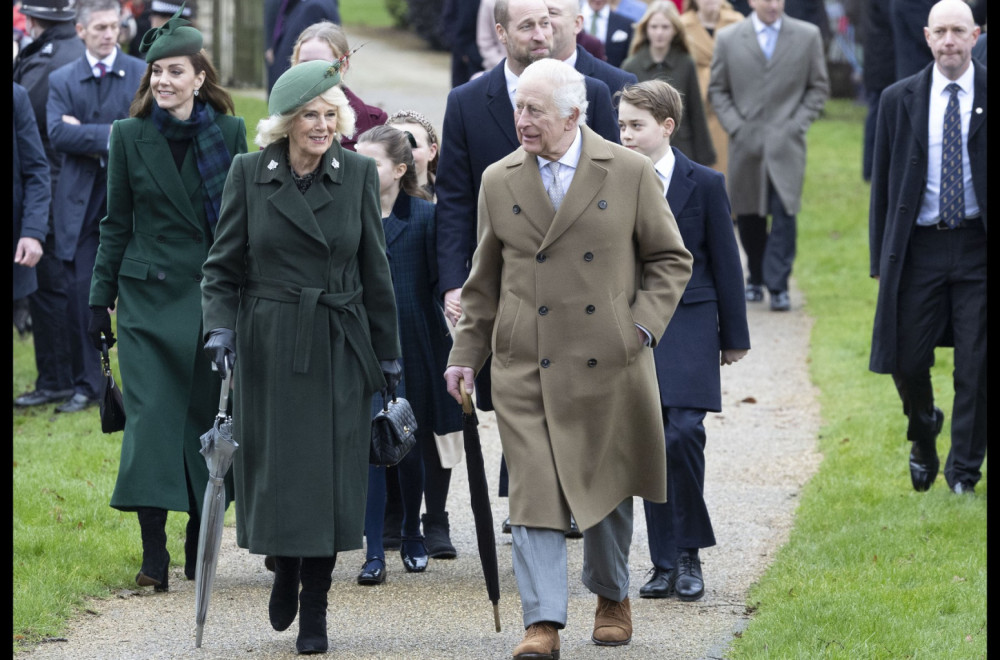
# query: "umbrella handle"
[[224, 394], [466, 399]]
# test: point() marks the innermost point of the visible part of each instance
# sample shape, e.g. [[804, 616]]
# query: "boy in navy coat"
[[709, 328]]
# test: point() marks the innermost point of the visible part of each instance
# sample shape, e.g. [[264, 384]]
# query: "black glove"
[[393, 372], [100, 324], [220, 347]]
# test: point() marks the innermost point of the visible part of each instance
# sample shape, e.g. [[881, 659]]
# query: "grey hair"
[[85, 8], [274, 128], [568, 88]]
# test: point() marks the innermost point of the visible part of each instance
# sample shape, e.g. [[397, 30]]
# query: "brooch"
[[335, 163], [272, 165]]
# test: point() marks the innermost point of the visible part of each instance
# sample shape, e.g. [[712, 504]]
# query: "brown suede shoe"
[[541, 642], [612, 622]]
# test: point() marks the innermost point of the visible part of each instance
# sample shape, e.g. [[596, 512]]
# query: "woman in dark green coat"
[[297, 287], [167, 165]]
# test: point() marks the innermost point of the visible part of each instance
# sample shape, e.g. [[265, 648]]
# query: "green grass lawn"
[[872, 569], [369, 13]]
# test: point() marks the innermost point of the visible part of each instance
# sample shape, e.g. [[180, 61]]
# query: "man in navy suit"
[[85, 97], [928, 248], [709, 327], [567, 23], [612, 28], [284, 20]]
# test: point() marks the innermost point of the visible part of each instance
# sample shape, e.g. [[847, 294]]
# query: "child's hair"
[[414, 117], [398, 147], [656, 97]]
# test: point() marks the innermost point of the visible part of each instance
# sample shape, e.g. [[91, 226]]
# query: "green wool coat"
[[154, 241], [304, 281]]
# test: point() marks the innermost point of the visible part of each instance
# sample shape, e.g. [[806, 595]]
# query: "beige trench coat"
[[556, 300], [767, 106], [701, 45]]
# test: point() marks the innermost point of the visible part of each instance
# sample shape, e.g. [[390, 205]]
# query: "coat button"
[[602, 205], [161, 239], [516, 209], [540, 257], [588, 256], [591, 309], [591, 362], [161, 275], [197, 277], [545, 363], [543, 310]]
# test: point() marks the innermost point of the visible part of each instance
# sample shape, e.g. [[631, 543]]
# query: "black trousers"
[[770, 254], [942, 292], [85, 360], [48, 318], [682, 522]]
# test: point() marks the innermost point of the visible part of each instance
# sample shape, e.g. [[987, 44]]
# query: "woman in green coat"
[[167, 165], [297, 287]]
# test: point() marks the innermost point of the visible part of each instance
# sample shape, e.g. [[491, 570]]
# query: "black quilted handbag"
[[112, 406], [392, 431]]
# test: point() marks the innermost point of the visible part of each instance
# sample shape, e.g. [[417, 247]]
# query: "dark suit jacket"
[[31, 186], [299, 15], [899, 171], [712, 314], [478, 131], [617, 50], [81, 191], [612, 76]]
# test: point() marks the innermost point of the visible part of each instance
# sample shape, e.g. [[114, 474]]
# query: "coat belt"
[[346, 303]]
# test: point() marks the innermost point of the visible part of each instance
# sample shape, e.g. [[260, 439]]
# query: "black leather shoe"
[[269, 562], [924, 461], [780, 302], [414, 554], [158, 579], [76, 404], [505, 527], [689, 584], [661, 585], [39, 397], [373, 572], [755, 293], [964, 488], [574, 530]]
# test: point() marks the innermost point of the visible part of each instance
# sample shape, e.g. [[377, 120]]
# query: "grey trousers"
[[539, 558]]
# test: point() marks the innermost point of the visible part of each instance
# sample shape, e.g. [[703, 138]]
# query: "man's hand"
[[732, 355], [29, 251], [269, 56], [453, 374], [453, 305], [70, 119]]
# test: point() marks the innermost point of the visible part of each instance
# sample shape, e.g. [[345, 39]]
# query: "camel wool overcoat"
[[304, 281], [556, 297]]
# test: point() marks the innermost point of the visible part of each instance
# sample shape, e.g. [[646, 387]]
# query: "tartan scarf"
[[209, 149]]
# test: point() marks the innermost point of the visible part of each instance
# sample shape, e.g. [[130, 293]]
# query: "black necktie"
[[952, 197]]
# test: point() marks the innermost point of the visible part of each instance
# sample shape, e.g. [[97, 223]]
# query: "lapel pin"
[[979, 111], [272, 165], [335, 163]]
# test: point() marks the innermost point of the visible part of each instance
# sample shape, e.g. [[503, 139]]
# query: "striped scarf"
[[209, 149]]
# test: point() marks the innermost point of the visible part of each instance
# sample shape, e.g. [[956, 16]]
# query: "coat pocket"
[[503, 328], [137, 270], [627, 327]]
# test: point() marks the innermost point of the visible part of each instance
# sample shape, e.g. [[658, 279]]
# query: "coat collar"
[[917, 104], [750, 45], [498, 104], [155, 153], [396, 222], [681, 186]]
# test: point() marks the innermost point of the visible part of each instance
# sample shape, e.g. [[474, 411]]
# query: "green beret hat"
[[173, 38], [301, 84]]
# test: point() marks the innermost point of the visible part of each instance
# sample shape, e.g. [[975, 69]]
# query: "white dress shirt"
[[567, 164], [665, 168], [760, 28], [930, 205], [511, 79], [602, 21], [108, 61]]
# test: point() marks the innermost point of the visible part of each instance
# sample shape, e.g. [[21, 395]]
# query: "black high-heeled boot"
[[316, 579], [284, 603], [191, 544], [155, 558]]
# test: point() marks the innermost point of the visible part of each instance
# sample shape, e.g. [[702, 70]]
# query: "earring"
[[196, 92]]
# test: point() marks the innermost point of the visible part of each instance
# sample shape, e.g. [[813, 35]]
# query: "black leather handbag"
[[392, 431], [112, 406]]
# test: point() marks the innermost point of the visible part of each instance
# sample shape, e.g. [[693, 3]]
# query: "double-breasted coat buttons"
[[516, 209], [588, 256], [543, 310], [545, 363], [591, 309], [540, 257], [602, 205], [591, 362]]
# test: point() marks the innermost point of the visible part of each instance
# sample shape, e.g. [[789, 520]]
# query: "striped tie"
[[952, 197]]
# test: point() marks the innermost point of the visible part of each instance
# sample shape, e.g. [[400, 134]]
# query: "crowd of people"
[[354, 255]]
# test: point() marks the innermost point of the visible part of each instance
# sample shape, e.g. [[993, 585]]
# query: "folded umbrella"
[[218, 447], [479, 494]]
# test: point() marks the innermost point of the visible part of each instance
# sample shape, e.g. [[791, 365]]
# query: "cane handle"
[[466, 399]]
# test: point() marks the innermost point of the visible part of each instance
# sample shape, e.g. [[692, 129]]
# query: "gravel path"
[[761, 450]]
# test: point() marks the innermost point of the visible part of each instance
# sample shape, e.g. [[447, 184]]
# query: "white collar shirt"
[[600, 28], [930, 204], [108, 61], [665, 168], [511, 79], [567, 164], [761, 29]]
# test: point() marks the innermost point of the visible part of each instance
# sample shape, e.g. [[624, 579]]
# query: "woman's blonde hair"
[[329, 32], [274, 128], [668, 9]]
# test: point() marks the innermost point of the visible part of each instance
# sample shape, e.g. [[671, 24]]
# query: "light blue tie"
[[770, 38]]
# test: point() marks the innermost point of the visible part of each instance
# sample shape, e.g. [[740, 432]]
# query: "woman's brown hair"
[[398, 147], [210, 92]]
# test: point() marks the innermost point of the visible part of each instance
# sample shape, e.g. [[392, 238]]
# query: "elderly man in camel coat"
[[577, 272]]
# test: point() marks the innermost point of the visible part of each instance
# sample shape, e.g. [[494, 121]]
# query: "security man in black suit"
[[928, 245]]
